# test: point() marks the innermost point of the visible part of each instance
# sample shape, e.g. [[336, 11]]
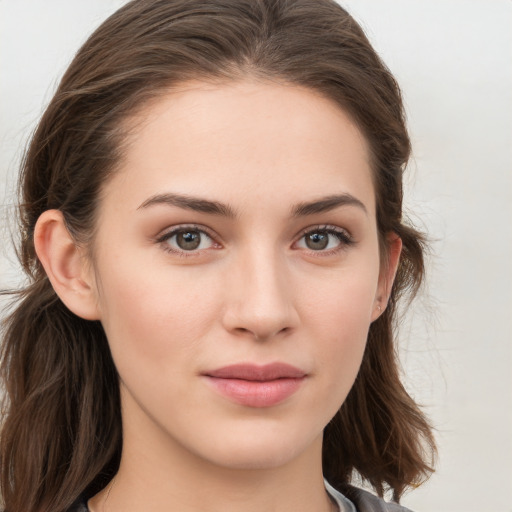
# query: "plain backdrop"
[[453, 59]]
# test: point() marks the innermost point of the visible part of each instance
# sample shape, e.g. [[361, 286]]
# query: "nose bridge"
[[260, 299]]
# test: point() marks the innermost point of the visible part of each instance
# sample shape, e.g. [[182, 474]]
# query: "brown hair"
[[61, 433]]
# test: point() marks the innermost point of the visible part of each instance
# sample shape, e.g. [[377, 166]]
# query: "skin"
[[253, 291]]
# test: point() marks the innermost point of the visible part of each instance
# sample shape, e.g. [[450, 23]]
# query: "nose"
[[259, 297]]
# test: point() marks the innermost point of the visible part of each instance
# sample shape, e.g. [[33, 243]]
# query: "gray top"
[[364, 501]]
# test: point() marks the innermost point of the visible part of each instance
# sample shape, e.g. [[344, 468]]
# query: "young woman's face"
[[237, 270]]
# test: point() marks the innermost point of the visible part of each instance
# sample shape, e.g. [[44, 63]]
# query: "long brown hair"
[[61, 432]]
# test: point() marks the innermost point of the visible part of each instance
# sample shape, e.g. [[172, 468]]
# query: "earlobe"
[[64, 265], [387, 274]]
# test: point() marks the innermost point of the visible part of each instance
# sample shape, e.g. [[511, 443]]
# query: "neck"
[[158, 474], [142, 484]]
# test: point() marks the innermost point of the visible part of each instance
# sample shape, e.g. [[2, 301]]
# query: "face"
[[237, 271]]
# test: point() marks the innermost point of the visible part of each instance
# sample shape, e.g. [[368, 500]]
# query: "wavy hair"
[[61, 433]]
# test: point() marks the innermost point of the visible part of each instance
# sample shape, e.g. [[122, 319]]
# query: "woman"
[[212, 225]]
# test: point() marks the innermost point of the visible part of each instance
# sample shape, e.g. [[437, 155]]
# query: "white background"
[[453, 59]]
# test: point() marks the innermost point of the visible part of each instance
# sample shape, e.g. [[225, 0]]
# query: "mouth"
[[256, 386]]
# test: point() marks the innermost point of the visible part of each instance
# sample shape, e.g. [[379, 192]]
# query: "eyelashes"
[[194, 240], [325, 239], [187, 240]]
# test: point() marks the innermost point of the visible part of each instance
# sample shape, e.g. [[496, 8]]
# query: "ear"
[[387, 274], [65, 265]]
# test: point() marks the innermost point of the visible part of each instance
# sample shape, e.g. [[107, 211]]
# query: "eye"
[[186, 239], [325, 239]]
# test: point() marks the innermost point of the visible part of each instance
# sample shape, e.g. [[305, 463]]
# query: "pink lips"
[[256, 386]]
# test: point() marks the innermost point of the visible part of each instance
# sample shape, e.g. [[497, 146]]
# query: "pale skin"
[[286, 269]]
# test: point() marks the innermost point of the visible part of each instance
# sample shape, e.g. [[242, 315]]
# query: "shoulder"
[[367, 502]]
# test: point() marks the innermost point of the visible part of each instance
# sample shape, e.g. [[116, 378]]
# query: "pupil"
[[188, 240], [317, 241]]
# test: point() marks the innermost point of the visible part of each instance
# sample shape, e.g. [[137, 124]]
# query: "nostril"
[[261, 334]]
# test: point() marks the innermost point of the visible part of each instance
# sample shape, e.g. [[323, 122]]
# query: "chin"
[[258, 459], [260, 449]]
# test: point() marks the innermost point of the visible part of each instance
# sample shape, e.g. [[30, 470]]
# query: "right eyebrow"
[[197, 204]]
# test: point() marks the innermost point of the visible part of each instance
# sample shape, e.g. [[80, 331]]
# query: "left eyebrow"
[[326, 204]]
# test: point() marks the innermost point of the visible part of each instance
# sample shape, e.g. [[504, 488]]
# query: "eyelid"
[[167, 232], [345, 238], [324, 227], [173, 230]]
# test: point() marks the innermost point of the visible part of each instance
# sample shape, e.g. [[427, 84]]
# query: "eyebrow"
[[326, 204], [198, 204], [190, 203]]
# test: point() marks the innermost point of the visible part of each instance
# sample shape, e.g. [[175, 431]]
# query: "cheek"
[[343, 301], [340, 317], [152, 315]]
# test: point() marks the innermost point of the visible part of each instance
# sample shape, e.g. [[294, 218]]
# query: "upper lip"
[[248, 371]]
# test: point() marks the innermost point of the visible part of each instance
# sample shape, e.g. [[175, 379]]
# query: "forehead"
[[244, 139]]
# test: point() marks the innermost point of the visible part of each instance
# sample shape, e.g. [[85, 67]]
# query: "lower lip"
[[256, 393]]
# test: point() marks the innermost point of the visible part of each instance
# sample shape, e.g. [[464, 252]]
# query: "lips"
[[256, 386]]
